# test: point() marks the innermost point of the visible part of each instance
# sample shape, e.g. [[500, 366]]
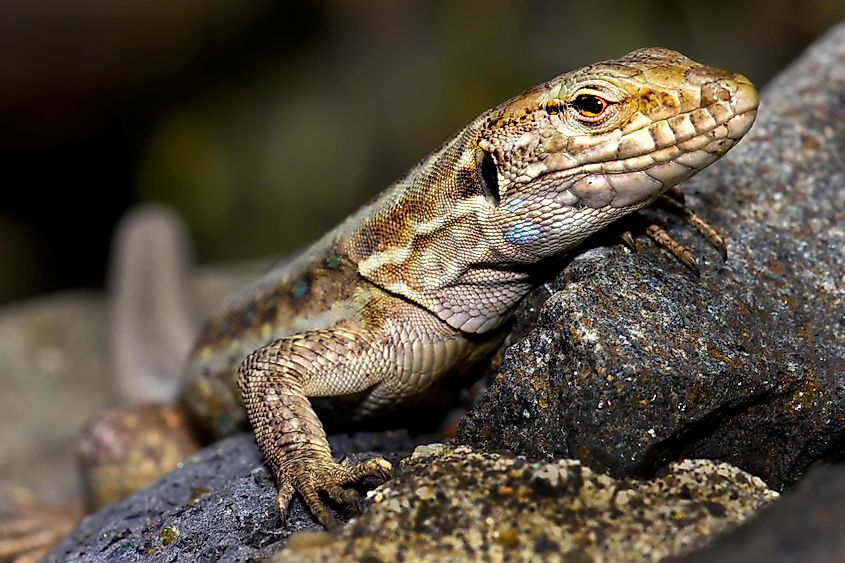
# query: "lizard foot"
[[309, 477], [29, 528], [673, 201], [124, 449]]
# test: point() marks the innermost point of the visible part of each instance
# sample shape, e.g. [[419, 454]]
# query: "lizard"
[[418, 285]]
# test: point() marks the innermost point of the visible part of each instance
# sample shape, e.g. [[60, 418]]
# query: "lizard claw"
[[283, 498], [340, 495], [310, 477], [29, 528]]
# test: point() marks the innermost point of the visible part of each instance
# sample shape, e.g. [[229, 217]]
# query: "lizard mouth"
[[634, 167]]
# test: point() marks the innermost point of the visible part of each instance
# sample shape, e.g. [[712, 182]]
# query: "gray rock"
[[805, 525], [453, 504], [636, 362], [219, 507]]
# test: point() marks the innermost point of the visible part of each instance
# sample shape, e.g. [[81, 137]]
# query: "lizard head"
[[567, 157]]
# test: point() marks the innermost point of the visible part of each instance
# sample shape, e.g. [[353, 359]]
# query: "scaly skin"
[[416, 286]]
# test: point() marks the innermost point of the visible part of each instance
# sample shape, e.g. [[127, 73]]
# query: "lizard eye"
[[589, 105]]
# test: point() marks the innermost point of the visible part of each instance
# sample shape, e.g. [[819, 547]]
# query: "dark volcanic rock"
[[625, 367], [219, 507], [636, 362]]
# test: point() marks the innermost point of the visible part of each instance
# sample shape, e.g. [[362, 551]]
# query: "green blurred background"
[[265, 122]]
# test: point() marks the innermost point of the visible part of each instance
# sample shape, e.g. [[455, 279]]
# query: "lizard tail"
[[152, 318]]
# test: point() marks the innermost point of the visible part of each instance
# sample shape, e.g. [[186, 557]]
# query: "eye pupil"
[[589, 105]]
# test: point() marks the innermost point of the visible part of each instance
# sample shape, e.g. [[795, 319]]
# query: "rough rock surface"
[[636, 362], [453, 504], [219, 507]]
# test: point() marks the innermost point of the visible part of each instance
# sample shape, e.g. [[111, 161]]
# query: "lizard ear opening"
[[489, 176]]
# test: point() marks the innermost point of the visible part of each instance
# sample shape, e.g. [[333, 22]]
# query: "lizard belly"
[[414, 353]]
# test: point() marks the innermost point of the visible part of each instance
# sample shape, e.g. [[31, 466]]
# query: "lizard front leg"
[[381, 366], [275, 382]]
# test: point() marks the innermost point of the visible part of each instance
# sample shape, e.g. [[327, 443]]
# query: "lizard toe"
[[377, 467], [349, 497], [28, 531], [321, 512], [312, 478], [284, 498]]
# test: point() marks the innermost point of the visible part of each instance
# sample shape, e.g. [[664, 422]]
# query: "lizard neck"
[[429, 239]]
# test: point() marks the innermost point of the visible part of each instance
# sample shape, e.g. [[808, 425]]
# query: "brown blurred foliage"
[[265, 123]]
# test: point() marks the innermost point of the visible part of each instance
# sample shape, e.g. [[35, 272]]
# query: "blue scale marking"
[[523, 232]]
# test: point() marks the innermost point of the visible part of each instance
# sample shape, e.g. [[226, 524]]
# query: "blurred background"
[[264, 122]]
